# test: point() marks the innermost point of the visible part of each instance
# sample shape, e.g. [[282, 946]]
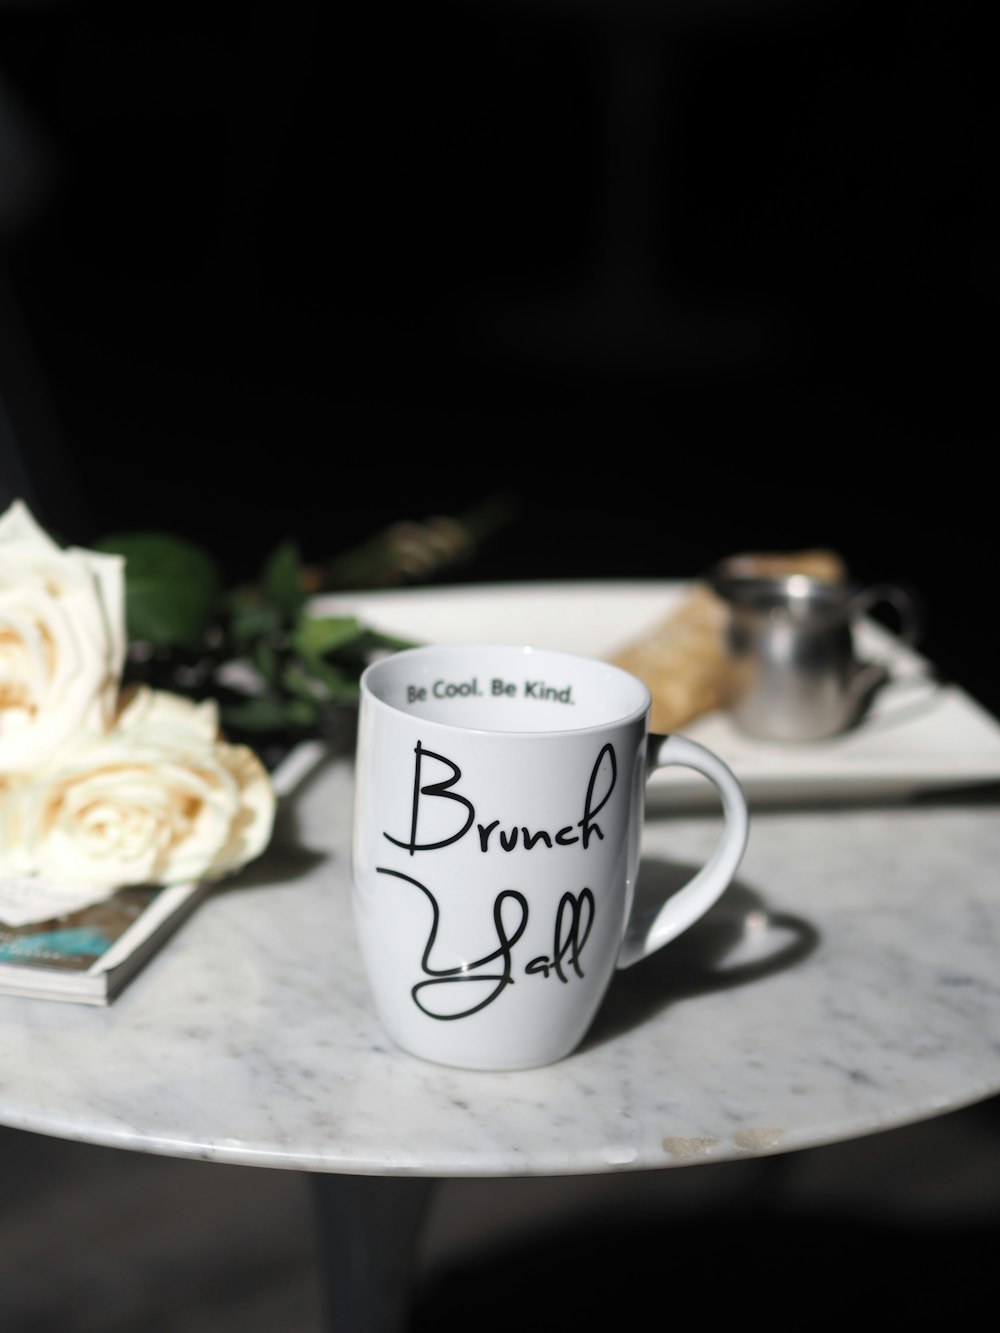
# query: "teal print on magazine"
[[74, 946]]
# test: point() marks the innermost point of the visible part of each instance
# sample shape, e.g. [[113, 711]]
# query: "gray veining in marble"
[[848, 982]]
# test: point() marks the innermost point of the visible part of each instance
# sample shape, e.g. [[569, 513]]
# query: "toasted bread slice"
[[683, 660]]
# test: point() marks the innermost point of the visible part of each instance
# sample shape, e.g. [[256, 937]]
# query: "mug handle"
[[650, 931]]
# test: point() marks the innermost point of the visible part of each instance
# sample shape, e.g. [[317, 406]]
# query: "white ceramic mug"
[[498, 811]]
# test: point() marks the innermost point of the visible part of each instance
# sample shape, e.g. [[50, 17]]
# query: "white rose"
[[62, 641], [158, 800]]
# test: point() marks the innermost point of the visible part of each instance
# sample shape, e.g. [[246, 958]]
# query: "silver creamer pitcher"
[[795, 674]]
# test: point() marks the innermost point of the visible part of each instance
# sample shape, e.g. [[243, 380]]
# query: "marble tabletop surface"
[[846, 983]]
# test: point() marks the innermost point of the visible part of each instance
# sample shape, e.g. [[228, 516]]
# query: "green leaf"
[[315, 636], [339, 684], [172, 588], [282, 579], [266, 661], [319, 681], [251, 619], [267, 712], [388, 642]]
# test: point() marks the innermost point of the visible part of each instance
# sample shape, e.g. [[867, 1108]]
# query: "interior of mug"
[[505, 688]]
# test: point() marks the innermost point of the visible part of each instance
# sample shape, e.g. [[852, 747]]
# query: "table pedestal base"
[[368, 1229]]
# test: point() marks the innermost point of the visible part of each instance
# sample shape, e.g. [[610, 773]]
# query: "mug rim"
[[521, 649]]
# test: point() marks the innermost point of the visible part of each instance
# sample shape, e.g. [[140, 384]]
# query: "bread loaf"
[[683, 660]]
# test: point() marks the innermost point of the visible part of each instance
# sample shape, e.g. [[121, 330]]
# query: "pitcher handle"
[[902, 602]]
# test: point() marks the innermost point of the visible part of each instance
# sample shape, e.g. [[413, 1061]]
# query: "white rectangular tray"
[[919, 735]]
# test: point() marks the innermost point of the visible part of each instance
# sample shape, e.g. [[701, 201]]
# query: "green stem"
[[409, 552]]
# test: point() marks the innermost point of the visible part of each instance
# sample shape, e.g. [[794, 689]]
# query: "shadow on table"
[[738, 941]]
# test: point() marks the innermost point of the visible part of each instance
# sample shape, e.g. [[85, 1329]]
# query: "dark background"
[[679, 278]]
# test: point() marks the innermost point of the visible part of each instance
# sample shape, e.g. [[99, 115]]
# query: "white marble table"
[[847, 983]]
